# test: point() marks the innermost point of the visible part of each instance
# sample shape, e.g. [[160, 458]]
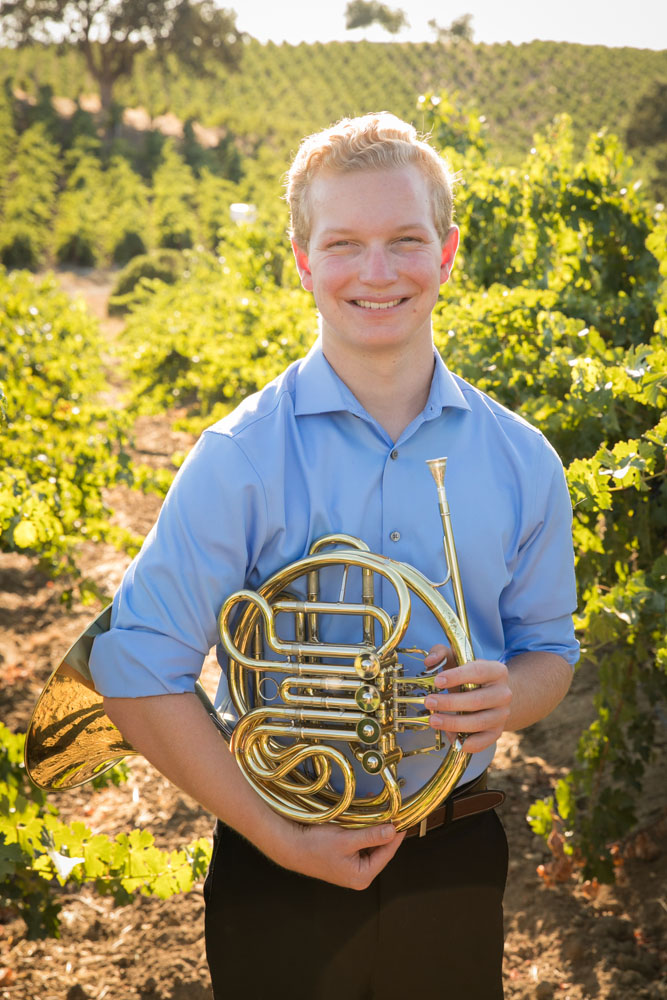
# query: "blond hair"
[[371, 142]]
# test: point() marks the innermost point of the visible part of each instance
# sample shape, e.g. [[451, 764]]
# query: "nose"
[[377, 266]]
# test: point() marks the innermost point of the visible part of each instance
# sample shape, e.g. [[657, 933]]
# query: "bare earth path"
[[561, 943]]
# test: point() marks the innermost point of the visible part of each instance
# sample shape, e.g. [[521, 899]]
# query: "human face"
[[375, 261]]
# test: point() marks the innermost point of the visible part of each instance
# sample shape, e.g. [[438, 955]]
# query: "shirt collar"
[[320, 390], [445, 391]]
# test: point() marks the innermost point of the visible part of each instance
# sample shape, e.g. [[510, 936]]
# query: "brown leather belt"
[[468, 800]]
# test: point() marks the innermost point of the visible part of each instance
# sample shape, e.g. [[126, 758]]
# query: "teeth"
[[376, 305]]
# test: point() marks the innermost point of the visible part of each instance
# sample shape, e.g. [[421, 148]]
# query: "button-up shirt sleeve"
[[164, 618], [537, 604]]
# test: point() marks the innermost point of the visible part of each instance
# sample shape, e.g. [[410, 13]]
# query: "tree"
[[362, 13], [460, 30], [646, 132], [111, 33], [648, 121]]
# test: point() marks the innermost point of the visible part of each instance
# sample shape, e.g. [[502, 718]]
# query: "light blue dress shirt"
[[302, 459]]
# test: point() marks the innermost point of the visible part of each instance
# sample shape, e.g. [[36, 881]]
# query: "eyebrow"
[[336, 231]]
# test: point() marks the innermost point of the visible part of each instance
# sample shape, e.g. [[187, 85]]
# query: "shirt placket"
[[395, 521]]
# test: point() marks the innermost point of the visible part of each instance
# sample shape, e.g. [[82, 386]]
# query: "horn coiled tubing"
[[342, 707], [290, 748]]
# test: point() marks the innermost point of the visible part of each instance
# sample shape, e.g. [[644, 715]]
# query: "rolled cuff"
[[130, 663], [554, 636]]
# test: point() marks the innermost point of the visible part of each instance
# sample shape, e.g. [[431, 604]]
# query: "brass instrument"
[[336, 710]]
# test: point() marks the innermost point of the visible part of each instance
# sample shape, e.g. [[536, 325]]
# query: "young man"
[[338, 444]]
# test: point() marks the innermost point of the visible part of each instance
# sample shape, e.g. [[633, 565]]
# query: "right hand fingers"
[[349, 858], [379, 845], [367, 837]]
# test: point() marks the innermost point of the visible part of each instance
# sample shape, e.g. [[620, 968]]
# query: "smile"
[[366, 304]]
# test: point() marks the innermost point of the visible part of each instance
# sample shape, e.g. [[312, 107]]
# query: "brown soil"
[[567, 942]]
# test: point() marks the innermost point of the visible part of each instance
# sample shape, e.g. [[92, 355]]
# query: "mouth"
[[368, 304]]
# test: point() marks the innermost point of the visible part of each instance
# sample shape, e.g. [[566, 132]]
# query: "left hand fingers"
[[493, 695], [475, 742], [474, 731], [480, 672], [451, 723], [482, 711]]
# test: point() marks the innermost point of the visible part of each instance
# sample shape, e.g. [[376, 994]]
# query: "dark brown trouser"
[[431, 922]]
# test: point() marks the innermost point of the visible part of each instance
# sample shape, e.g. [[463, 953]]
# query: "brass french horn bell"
[[335, 711], [70, 738]]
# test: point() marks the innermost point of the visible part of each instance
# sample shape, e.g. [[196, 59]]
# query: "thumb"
[[381, 845], [440, 656], [373, 836]]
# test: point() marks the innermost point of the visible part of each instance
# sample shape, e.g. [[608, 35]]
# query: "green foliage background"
[[283, 91], [280, 93], [559, 310], [39, 853], [60, 446]]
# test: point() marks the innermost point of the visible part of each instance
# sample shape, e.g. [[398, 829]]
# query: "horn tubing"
[[65, 748]]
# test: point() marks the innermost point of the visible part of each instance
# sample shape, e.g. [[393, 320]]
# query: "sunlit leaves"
[[573, 269], [60, 446], [554, 315], [557, 310], [230, 325], [30, 193], [39, 851]]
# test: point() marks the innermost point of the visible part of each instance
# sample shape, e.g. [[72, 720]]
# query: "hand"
[[349, 858], [486, 709]]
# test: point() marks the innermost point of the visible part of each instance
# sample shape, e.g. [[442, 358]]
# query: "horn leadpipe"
[[437, 467]]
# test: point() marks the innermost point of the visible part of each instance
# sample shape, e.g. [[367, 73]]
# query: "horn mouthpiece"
[[437, 467]]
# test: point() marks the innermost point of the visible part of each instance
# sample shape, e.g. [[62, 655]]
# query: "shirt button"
[[395, 536], [394, 454]]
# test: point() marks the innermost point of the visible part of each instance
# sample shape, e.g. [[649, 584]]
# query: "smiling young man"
[[338, 443], [375, 262]]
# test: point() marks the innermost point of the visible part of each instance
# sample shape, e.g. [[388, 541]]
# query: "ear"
[[303, 267], [449, 248]]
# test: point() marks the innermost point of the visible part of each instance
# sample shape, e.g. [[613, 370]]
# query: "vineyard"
[[281, 92], [558, 310], [253, 118]]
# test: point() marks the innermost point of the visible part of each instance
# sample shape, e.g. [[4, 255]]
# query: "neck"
[[392, 387]]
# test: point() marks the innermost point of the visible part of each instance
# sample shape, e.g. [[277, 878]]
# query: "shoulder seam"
[[234, 433], [499, 409]]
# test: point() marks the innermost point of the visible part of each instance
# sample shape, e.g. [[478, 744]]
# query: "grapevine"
[[60, 445], [558, 309], [40, 854]]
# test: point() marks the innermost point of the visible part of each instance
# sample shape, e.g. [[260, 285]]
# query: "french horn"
[[313, 715]]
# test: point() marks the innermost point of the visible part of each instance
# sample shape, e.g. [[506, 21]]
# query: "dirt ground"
[[565, 942]]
